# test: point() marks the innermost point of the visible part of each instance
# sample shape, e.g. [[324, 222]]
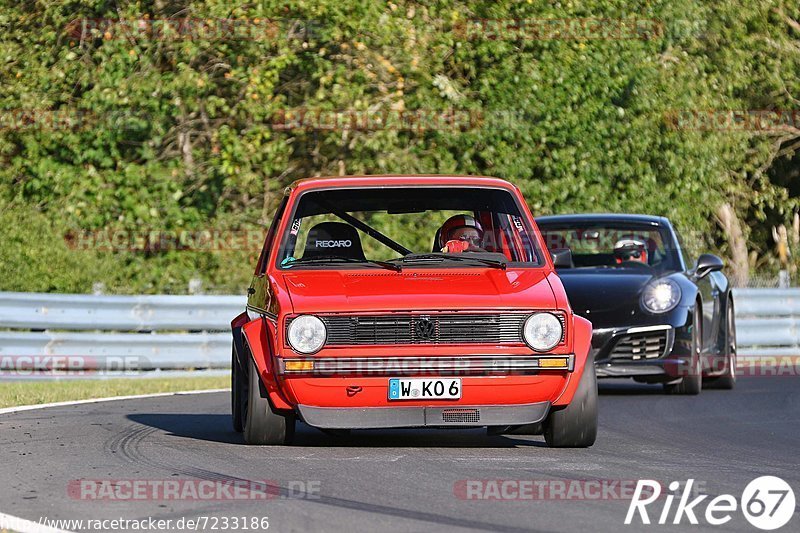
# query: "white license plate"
[[424, 389]]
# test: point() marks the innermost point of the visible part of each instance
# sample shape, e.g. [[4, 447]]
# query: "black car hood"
[[598, 290]]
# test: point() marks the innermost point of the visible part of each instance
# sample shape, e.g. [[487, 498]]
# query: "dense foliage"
[[145, 125]]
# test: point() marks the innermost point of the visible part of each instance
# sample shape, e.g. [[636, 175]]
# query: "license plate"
[[424, 389]]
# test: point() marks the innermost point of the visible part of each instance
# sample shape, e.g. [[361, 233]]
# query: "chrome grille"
[[434, 328], [640, 346]]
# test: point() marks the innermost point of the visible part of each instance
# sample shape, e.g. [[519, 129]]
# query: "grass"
[[36, 392]]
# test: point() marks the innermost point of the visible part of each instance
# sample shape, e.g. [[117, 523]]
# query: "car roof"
[[602, 218], [399, 180]]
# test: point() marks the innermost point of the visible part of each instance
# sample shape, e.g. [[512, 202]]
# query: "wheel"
[[575, 426], [238, 393], [728, 379], [692, 382], [262, 423]]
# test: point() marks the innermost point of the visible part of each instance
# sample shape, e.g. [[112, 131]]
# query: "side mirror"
[[562, 257], [706, 264]]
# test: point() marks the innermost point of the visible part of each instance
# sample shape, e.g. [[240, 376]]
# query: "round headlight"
[[307, 334], [543, 331], [661, 296]]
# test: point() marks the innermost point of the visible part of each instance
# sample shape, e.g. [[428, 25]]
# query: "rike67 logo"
[[767, 503]]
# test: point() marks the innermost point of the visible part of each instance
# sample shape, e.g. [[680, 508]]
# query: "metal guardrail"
[[175, 332], [120, 332], [767, 321], [122, 313]]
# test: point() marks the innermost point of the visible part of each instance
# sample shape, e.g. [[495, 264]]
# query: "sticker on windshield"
[[296, 226]]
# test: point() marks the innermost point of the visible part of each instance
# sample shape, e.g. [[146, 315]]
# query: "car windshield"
[[402, 227], [613, 245]]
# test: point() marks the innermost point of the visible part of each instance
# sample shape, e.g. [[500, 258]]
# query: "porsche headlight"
[[543, 331], [307, 334], [661, 295]]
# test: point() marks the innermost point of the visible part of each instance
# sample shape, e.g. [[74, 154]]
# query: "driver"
[[461, 233], [632, 250]]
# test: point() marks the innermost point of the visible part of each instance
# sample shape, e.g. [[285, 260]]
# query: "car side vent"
[[461, 416]]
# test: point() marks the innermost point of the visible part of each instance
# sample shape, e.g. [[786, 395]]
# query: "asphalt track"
[[403, 480]]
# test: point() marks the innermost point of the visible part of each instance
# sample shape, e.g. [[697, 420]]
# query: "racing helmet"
[[630, 249], [456, 222]]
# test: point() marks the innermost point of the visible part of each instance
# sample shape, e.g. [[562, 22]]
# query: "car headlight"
[[307, 334], [543, 331], [661, 295]]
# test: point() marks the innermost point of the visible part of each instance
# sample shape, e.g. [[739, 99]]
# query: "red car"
[[410, 301]]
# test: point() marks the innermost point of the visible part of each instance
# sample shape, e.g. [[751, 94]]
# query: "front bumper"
[[354, 386], [646, 369], [422, 416], [656, 353], [632, 343]]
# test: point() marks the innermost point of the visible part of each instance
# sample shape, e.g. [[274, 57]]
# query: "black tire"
[[575, 426], [692, 383], [262, 423], [238, 393], [728, 380]]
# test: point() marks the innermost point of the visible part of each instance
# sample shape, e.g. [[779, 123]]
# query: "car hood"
[[598, 291], [315, 291]]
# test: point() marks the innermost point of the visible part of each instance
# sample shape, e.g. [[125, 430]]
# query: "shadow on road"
[[217, 428], [208, 427], [412, 438], [627, 387]]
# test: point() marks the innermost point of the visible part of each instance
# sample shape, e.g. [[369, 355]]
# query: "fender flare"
[[238, 339], [257, 340], [727, 306], [582, 335]]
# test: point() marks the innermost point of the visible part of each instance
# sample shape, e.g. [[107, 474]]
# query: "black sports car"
[[655, 320]]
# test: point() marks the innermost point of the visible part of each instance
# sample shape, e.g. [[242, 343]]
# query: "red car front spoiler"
[[436, 416]]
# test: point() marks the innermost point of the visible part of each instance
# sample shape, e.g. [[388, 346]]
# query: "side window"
[[261, 266]]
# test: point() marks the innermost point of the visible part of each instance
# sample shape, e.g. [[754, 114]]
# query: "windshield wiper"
[[442, 256], [340, 259]]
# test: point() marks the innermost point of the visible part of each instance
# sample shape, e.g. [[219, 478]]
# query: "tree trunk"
[[732, 226]]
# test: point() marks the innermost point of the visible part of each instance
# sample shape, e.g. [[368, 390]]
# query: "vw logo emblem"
[[424, 329]]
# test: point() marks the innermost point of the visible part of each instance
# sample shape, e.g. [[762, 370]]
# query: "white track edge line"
[[21, 525], [19, 408]]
